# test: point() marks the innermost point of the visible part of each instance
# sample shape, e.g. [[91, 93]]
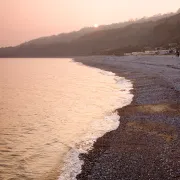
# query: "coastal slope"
[[138, 36]]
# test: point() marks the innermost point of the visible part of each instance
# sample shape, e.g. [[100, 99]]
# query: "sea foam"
[[72, 163]]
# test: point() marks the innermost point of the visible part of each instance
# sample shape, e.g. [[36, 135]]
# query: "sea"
[[51, 110]]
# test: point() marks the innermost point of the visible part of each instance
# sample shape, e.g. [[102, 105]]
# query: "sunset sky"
[[23, 20]]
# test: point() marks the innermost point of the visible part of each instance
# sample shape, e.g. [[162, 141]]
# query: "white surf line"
[[72, 163]]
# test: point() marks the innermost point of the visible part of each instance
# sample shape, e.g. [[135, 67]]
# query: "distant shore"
[[146, 145]]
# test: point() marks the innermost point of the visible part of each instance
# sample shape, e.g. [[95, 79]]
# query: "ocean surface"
[[50, 111]]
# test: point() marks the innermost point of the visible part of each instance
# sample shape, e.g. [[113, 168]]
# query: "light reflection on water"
[[48, 106]]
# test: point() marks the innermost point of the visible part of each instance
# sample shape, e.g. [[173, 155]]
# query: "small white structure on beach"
[[137, 53], [163, 52], [151, 52]]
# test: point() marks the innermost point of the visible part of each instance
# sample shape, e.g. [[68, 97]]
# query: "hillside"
[[88, 41], [68, 37]]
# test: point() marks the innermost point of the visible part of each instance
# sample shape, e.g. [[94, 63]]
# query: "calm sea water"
[[50, 111]]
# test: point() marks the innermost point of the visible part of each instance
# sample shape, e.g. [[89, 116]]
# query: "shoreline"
[[146, 144], [72, 162]]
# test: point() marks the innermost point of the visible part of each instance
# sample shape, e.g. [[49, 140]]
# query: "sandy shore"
[[146, 145]]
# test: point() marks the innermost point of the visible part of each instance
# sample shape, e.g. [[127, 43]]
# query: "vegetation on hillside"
[[88, 41]]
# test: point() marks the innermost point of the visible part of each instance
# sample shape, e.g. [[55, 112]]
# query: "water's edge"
[[130, 151], [72, 162]]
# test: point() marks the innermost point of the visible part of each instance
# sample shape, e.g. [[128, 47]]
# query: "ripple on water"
[[52, 109]]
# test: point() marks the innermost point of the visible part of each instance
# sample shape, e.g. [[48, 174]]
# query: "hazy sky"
[[22, 20]]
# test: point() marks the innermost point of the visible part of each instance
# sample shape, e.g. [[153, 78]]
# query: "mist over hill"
[[158, 30], [67, 37]]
